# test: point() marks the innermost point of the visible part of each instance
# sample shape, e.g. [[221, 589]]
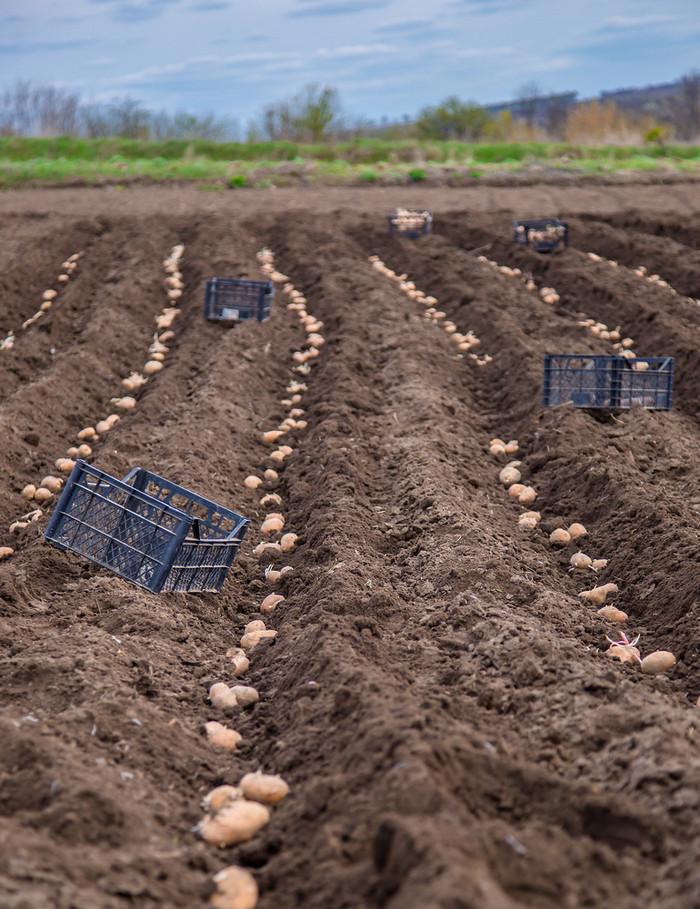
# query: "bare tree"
[[57, 111], [528, 98], [684, 108]]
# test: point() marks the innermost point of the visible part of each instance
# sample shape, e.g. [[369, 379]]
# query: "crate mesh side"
[[237, 300], [118, 530], [606, 382], [201, 566]]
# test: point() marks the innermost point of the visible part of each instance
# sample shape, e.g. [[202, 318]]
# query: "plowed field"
[[438, 696]]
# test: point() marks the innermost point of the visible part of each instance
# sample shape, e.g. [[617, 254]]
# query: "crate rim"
[[125, 485]]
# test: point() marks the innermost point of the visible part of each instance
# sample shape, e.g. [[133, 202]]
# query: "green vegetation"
[[365, 160]]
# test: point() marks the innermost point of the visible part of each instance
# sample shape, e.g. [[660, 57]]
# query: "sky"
[[387, 58]]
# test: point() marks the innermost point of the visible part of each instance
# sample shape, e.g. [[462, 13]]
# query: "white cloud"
[[267, 57], [357, 50]]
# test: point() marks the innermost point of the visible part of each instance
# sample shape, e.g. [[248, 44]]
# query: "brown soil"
[[438, 696]]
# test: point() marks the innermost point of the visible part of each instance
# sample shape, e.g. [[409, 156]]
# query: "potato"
[[599, 595], [658, 661], [509, 475], [235, 889], [235, 823], [263, 787], [613, 614], [271, 601], [222, 696], [527, 495], [240, 661], [219, 797], [560, 536], [245, 695], [222, 737], [251, 639]]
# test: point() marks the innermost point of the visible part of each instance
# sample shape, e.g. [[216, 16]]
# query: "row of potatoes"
[[47, 299], [234, 814], [622, 649], [42, 492]]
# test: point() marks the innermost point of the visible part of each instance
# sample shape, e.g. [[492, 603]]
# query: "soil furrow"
[[438, 696]]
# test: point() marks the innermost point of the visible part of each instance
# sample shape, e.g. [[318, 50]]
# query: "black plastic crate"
[[410, 223], [146, 529], [541, 234], [236, 299], [607, 383]]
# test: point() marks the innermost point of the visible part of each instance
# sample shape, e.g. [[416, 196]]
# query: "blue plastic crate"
[[146, 529], [607, 382], [236, 299], [410, 223], [541, 234]]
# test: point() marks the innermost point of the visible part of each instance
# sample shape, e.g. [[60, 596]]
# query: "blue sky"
[[386, 57]]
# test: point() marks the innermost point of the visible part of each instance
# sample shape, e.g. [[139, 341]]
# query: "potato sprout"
[[624, 650]]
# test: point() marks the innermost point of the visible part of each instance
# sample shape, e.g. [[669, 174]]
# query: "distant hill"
[[655, 100]]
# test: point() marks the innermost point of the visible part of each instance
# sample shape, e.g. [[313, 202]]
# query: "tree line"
[[315, 113]]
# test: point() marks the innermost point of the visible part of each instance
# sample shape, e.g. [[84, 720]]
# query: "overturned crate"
[[607, 382], [146, 529], [541, 234], [405, 222], [236, 299]]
